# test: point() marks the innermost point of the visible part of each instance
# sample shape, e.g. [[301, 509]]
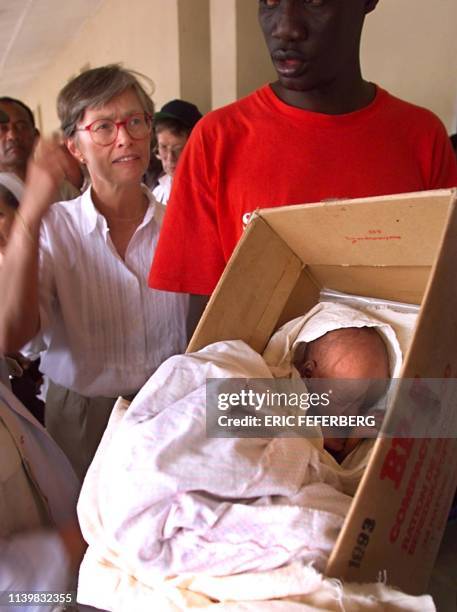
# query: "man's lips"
[[13, 147], [288, 63]]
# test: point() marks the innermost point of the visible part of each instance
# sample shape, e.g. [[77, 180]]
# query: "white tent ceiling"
[[32, 33]]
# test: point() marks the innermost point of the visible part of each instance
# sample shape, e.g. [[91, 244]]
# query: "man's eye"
[[21, 126], [270, 3]]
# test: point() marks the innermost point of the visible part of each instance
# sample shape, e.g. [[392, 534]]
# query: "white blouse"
[[103, 330], [162, 191]]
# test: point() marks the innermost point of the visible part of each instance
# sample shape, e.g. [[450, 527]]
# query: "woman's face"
[[6, 221], [125, 160], [169, 149]]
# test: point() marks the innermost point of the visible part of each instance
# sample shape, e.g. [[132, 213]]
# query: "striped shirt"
[[104, 331]]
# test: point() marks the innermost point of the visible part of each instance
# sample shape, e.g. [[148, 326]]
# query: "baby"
[[357, 362]]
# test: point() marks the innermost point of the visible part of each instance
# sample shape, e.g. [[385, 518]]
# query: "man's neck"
[[19, 171], [331, 99]]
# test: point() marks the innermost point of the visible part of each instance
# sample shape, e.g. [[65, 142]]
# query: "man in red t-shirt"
[[320, 131]]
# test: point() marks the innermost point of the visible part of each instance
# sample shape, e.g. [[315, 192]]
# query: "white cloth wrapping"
[[175, 501], [165, 508]]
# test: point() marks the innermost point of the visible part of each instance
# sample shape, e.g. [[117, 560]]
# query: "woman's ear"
[[72, 146]]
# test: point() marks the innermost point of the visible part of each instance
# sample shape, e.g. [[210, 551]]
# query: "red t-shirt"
[[261, 153]]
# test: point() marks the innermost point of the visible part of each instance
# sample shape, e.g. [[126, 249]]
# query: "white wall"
[[144, 39], [223, 51], [410, 48]]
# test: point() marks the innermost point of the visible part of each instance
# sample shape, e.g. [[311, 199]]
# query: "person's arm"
[[197, 304], [19, 306], [19, 314]]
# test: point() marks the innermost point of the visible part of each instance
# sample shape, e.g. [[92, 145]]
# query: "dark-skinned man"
[[320, 131], [18, 137]]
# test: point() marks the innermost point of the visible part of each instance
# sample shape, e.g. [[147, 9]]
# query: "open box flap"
[[401, 506]]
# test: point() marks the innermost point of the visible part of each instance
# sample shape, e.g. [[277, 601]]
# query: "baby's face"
[[356, 361]]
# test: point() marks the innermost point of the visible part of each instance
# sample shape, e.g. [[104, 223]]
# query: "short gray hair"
[[94, 88]]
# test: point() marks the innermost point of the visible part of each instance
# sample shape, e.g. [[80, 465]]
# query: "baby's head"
[[351, 352], [357, 359]]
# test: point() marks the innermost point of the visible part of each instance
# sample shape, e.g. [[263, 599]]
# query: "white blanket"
[[165, 508]]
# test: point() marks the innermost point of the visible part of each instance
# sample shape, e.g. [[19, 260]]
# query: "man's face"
[[17, 137], [312, 43]]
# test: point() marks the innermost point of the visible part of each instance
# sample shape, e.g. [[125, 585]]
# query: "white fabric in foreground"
[[161, 499], [174, 501], [105, 583]]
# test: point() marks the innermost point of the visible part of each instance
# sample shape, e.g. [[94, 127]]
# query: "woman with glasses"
[[172, 127], [74, 273]]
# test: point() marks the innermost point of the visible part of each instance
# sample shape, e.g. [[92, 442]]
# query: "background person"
[[84, 287], [40, 542], [18, 137], [172, 127]]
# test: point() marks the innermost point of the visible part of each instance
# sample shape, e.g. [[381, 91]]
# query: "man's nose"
[[290, 21], [9, 131]]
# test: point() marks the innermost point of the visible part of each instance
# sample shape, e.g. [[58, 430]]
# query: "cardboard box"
[[401, 248]]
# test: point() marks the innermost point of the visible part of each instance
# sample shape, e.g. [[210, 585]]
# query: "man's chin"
[[14, 160], [303, 85]]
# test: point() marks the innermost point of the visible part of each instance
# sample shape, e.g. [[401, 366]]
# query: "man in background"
[[18, 137]]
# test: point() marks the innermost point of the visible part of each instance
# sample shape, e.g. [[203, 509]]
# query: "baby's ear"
[[307, 368]]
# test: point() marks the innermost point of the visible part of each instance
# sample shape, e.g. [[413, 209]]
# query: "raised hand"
[[45, 173]]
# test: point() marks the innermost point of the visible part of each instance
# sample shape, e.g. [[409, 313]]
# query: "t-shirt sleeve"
[[189, 256], [444, 163]]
